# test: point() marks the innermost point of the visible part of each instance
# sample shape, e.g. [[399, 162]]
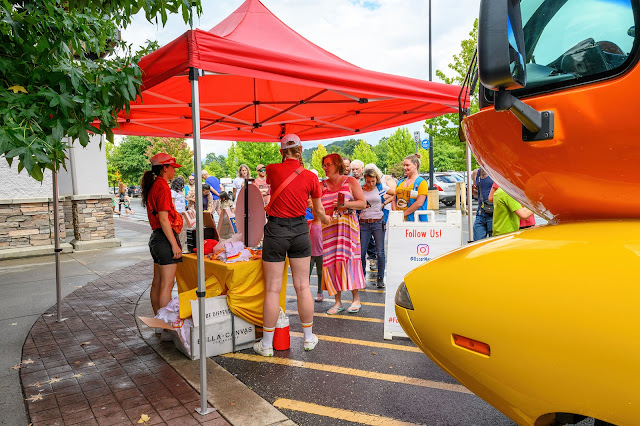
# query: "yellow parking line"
[[395, 378], [361, 342], [350, 317], [316, 276], [326, 299], [362, 289], [337, 413]]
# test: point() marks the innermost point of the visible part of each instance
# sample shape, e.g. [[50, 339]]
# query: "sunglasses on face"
[[262, 170]]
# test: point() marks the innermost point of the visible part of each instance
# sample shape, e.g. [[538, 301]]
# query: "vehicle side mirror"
[[501, 50]]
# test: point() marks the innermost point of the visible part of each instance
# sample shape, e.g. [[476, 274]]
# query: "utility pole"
[[431, 179]]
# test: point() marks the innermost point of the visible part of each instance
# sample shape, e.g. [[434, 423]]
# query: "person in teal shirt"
[[507, 213]]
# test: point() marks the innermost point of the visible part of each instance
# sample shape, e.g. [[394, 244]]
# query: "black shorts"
[[286, 237], [160, 248]]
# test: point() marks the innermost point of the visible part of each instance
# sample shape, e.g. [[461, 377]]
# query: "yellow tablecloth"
[[242, 282]]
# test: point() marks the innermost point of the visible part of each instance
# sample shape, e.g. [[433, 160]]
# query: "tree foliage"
[[448, 152], [65, 72], [130, 159], [254, 153], [216, 165], [113, 174], [316, 160], [365, 153], [177, 148], [343, 147], [232, 161], [382, 152], [400, 145]]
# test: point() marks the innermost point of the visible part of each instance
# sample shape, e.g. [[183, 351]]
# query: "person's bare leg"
[[155, 288], [167, 278], [338, 298], [273, 279], [356, 298], [299, 268]]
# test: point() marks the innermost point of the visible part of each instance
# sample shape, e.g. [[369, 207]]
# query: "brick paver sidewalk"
[[95, 368]]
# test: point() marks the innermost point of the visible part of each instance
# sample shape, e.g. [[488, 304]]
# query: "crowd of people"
[[334, 224]]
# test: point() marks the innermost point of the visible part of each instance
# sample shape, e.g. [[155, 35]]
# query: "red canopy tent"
[[260, 79], [252, 78]]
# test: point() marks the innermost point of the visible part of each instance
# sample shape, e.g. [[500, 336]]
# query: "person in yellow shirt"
[[411, 192]]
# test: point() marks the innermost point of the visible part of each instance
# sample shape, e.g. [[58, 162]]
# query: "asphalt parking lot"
[[354, 376]]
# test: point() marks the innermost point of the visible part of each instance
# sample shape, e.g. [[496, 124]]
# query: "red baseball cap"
[[163, 159]]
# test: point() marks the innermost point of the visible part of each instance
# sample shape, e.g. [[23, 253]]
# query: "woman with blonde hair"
[[238, 182], [372, 220], [389, 181], [412, 191], [341, 264], [286, 234]]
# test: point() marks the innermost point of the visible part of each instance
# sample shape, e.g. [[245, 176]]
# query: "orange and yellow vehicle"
[[544, 323]]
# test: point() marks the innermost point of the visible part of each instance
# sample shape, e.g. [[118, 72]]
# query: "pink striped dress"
[[341, 264]]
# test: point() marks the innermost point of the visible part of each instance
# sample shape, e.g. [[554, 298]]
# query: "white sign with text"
[[410, 245]]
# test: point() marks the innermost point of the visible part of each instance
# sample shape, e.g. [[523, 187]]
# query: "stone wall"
[[92, 217], [28, 223]]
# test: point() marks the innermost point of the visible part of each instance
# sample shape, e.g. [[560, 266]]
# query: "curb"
[[238, 404]]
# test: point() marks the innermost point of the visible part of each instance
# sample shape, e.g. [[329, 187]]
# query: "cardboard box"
[[218, 329]]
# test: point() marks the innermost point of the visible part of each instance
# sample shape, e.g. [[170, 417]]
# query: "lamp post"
[[431, 182]]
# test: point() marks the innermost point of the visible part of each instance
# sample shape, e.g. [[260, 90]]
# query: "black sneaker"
[[380, 283]]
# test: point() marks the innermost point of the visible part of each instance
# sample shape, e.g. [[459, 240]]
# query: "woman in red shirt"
[[287, 234], [166, 224]]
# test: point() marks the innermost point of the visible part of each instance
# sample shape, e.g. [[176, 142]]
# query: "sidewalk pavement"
[[101, 366]]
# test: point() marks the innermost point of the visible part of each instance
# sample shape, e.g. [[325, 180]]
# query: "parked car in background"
[[134, 191], [445, 183]]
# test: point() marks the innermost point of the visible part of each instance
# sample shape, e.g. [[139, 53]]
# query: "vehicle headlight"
[[402, 297]]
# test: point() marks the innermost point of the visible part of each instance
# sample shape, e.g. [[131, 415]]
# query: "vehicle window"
[[570, 40], [446, 179]]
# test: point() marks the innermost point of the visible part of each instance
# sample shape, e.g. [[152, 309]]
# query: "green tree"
[[365, 153], [253, 153], [382, 152], [448, 152], [349, 147], [131, 160], [232, 161], [113, 174], [67, 72], [331, 149], [316, 160], [400, 145], [177, 148], [216, 165]]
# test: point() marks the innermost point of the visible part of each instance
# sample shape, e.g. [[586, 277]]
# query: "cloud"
[[390, 36]]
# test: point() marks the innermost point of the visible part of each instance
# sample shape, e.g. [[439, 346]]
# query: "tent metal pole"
[[57, 249], [246, 212], [469, 194], [195, 113]]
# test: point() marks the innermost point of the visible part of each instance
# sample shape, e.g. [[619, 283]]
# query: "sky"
[[390, 36]]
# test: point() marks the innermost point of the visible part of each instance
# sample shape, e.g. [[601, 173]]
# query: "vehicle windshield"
[[568, 40]]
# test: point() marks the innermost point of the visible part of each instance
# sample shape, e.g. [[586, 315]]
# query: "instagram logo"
[[423, 249]]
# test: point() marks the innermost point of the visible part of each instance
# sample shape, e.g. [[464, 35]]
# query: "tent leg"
[[246, 212], [57, 250], [195, 113]]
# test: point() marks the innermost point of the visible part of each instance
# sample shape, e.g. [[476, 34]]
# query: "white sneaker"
[[373, 264], [310, 344], [257, 347]]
